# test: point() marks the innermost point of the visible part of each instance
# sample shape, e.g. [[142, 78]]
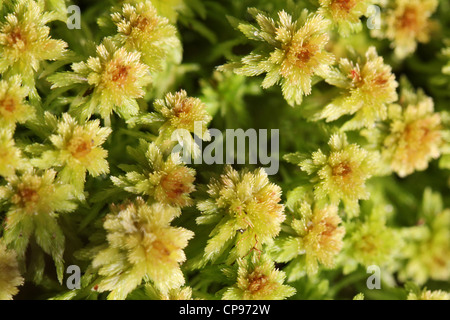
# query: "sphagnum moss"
[[345, 14], [13, 108], [163, 178], [141, 29], [141, 244], [91, 174], [248, 211], [341, 174], [114, 79], [25, 41], [368, 87], [258, 279], [408, 23], [11, 158], [317, 236], [75, 150], [294, 53]]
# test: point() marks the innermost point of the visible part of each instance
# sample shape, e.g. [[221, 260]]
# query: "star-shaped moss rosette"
[[10, 277], [25, 42], [414, 134], [34, 200], [164, 178], [75, 149], [182, 112], [406, 23], [427, 250], [415, 138], [13, 108], [257, 279], [141, 29], [246, 209], [345, 14], [142, 246], [316, 234], [371, 241], [291, 52], [339, 174], [169, 9], [178, 116], [367, 88], [11, 158], [111, 81]]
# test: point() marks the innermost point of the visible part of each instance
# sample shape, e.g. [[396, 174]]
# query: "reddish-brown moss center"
[[8, 104], [27, 196], [381, 79], [161, 248], [343, 169], [343, 5], [330, 227], [304, 55], [408, 20], [16, 37], [80, 147], [184, 107], [257, 282], [177, 183], [120, 74]]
